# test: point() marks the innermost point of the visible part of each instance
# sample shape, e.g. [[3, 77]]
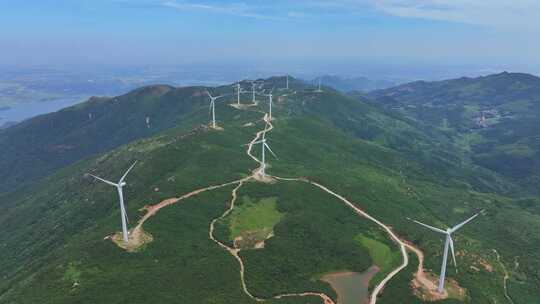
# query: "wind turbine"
[[287, 76], [213, 107], [264, 146], [319, 86], [269, 103], [254, 85], [448, 243], [121, 183], [238, 91]]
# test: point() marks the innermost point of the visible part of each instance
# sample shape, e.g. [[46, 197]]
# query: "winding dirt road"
[[256, 175], [506, 277]]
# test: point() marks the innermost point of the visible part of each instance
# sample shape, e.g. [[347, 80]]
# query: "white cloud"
[[236, 9], [510, 14], [501, 14]]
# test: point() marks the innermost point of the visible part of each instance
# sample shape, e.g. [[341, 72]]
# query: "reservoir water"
[[351, 287]]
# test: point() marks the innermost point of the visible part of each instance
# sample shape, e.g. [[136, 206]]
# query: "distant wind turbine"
[[264, 146], [213, 107], [448, 243], [121, 183], [254, 85], [287, 76], [319, 90], [269, 103], [238, 92]]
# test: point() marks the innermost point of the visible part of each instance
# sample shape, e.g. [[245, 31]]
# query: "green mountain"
[[56, 244], [493, 118]]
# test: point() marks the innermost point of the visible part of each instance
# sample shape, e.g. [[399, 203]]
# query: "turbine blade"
[[453, 252], [465, 222], [103, 180], [208, 93], [127, 172], [268, 147], [428, 226]]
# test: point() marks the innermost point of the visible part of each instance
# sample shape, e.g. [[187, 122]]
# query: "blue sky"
[[127, 32]]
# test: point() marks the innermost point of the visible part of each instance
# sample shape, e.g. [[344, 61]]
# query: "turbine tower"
[[254, 85], [448, 243], [264, 146], [121, 183], [269, 103], [287, 76], [213, 107], [319, 90], [238, 91]]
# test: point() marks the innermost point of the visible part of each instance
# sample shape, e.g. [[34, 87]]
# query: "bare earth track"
[[256, 175]]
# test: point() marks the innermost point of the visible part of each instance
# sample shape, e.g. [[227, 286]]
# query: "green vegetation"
[[251, 216], [72, 274], [316, 236], [506, 142], [391, 166], [381, 254]]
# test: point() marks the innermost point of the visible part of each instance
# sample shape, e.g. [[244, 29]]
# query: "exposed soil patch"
[[252, 239], [258, 176], [136, 240], [425, 287], [243, 106]]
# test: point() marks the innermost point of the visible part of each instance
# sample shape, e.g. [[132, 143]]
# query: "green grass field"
[[252, 216]]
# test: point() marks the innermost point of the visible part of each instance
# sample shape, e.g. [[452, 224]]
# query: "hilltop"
[[57, 244]]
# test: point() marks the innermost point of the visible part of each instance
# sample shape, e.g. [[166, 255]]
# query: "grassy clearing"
[[249, 216], [381, 254]]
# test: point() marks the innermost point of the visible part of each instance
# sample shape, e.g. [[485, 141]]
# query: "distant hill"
[[494, 118], [362, 84], [39, 146], [8, 124]]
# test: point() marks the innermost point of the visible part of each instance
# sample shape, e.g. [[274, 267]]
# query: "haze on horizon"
[[488, 35]]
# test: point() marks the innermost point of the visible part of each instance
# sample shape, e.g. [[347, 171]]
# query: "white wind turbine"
[[213, 107], [319, 90], [264, 146], [254, 85], [269, 103], [448, 243], [121, 183], [238, 92]]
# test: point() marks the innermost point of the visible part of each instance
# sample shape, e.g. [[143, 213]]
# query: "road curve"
[[153, 209]]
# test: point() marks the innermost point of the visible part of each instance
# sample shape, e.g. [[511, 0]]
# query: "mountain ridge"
[[55, 252]]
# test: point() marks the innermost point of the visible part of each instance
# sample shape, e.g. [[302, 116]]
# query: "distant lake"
[[28, 110]]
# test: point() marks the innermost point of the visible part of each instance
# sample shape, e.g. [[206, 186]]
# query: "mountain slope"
[[54, 249], [37, 147], [493, 118]]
